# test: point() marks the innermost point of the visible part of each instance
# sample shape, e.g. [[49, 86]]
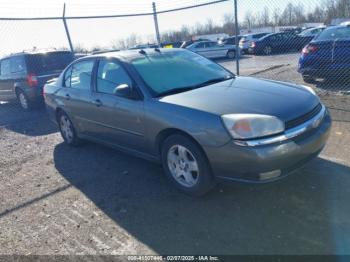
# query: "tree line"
[[294, 14]]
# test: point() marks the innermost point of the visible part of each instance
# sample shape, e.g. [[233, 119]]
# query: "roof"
[[134, 53]]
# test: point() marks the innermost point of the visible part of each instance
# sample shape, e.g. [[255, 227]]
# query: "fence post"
[[156, 22], [236, 38], [66, 28]]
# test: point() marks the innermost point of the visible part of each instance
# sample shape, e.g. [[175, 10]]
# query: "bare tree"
[[265, 16], [276, 16]]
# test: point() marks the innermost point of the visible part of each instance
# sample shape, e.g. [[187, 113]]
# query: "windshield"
[[174, 70], [307, 32], [49, 62], [334, 33]]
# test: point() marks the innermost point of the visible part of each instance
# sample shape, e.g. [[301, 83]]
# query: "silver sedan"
[[211, 49]]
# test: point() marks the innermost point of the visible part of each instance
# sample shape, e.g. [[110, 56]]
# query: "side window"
[[81, 75], [209, 44], [110, 75], [200, 45], [17, 64], [67, 77], [5, 67]]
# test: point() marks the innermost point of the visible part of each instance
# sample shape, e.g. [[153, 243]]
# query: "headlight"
[[246, 126], [310, 90]]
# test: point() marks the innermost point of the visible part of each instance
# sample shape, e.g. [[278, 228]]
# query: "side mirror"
[[124, 90]]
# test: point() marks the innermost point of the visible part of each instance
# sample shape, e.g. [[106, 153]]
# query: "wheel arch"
[[164, 134]]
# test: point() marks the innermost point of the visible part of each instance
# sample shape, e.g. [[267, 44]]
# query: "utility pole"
[[66, 28], [156, 22], [236, 37]]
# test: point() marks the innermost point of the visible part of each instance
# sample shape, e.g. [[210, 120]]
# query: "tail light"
[[309, 49], [32, 80]]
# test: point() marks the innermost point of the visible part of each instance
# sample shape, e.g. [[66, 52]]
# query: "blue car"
[[327, 56], [277, 42]]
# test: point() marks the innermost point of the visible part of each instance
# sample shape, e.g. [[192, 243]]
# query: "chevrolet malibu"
[[201, 122]]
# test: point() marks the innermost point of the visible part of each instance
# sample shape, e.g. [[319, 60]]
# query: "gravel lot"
[[94, 200]]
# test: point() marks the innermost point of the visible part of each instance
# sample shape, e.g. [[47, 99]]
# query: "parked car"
[[23, 75], [293, 30], [211, 49], [307, 35], [277, 42], [247, 40], [190, 42], [172, 44], [327, 56], [180, 109], [144, 46], [230, 40]]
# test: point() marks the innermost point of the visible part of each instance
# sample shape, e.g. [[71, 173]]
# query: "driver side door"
[[117, 120]]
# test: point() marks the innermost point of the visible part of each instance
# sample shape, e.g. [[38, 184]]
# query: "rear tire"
[[186, 165], [67, 130], [23, 100]]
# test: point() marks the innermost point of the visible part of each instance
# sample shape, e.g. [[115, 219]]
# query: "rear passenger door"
[[6, 85], [76, 93], [201, 49], [341, 49]]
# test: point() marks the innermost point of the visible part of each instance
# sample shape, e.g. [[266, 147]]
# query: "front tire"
[[67, 129], [309, 79], [267, 50], [186, 165], [231, 54]]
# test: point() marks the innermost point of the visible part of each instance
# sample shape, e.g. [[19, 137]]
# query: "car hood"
[[246, 95]]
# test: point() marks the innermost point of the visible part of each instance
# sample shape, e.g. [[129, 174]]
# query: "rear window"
[[49, 62], [335, 33], [259, 36]]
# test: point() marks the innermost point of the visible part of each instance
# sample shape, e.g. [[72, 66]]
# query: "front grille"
[[302, 119]]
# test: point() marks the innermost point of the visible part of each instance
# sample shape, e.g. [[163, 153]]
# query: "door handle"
[[97, 102], [67, 96]]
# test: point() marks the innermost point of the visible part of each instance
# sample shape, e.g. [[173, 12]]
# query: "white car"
[[211, 49], [247, 40]]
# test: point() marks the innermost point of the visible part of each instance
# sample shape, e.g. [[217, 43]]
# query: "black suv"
[[23, 75]]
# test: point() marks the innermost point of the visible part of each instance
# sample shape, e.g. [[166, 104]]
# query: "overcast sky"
[[19, 35]]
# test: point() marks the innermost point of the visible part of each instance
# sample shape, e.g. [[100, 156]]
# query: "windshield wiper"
[[213, 81], [175, 91], [188, 88]]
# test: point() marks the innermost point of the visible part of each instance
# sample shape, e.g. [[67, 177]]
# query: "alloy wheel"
[[183, 166], [66, 128], [267, 50]]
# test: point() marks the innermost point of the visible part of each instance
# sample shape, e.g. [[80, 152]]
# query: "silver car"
[[200, 121], [211, 49]]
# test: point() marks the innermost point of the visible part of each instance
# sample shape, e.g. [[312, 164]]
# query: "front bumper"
[[247, 163]]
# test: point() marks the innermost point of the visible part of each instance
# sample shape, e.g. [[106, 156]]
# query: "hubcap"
[[231, 55], [183, 166], [23, 101], [66, 128], [268, 50]]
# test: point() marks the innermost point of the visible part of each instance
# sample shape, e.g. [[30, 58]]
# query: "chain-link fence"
[[301, 42], [60, 200]]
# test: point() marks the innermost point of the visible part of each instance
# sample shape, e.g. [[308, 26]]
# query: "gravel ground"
[[94, 200]]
